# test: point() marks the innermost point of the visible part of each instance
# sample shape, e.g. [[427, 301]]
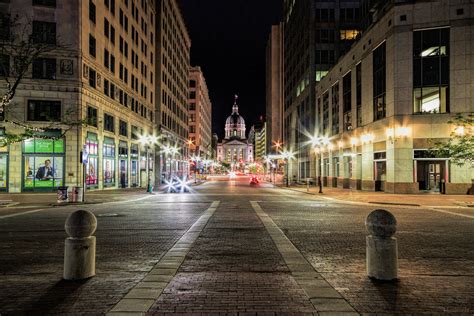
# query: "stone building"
[[102, 72], [234, 148], [200, 115], [172, 85], [384, 103]]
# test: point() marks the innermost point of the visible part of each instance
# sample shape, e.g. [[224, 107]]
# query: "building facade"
[[391, 96], [258, 137], [200, 115], [274, 88], [316, 34], [101, 72], [235, 148], [172, 65]]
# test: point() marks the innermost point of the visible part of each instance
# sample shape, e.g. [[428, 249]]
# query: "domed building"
[[235, 149]]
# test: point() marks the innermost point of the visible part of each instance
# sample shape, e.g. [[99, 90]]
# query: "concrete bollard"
[[382, 249], [79, 247]]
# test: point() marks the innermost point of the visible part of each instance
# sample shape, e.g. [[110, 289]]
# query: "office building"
[[386, 102], [200, 115], [100, 72], [172, 66]]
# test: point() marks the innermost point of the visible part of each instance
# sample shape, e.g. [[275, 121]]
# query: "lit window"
[[349, 35]]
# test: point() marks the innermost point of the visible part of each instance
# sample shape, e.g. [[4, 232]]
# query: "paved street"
[[233, 249]]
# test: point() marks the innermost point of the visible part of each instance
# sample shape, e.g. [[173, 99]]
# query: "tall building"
[[102, 71], [274, 88], [200, 112], [172, 65], [385, 103], [316, 34], [260, 141]]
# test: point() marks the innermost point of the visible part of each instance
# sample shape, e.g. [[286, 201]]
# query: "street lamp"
[[147, 141], [318, 143], [287, 155]]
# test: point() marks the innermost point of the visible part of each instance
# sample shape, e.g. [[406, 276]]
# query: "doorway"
[[431, 176]]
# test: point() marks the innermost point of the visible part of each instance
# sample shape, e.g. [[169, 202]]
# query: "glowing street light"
[[148, 141]]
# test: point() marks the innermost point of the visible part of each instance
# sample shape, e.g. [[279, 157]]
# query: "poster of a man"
[[45, 172]]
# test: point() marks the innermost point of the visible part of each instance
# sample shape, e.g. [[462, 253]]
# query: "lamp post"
[[318, 143], [148, 141], [287, 155]]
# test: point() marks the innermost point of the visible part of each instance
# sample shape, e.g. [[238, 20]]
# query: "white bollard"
[[79, 247], [382, 249]]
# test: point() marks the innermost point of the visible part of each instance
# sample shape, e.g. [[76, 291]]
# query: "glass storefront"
[[134, 165], [43, 164], [109, 162], [92, 144], [123, 164], [3, 169]]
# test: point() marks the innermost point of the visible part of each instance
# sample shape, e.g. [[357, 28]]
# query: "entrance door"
[[430, 175], [123, 173]]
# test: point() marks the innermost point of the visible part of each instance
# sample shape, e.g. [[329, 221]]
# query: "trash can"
[[62, 195], [79, 194]]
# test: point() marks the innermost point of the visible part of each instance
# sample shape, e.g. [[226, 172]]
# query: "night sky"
[[228, 42]]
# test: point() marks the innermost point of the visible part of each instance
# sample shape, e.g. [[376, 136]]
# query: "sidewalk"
[[388, 198], [92, 197]]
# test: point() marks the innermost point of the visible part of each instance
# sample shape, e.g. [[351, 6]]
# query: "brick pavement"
[[435, 251], [128, 246], [233, 268]]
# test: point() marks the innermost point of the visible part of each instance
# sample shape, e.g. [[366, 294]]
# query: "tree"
[[21, 43], [460, 146]]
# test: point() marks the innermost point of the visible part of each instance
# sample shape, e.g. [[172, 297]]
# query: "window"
[[431, 71], [92, 78], [123, 128], [92, 46], [106, 58], [44, 68], [112, 7], [335, 108], [4, 65], [112, 35], [109, 123], [321, 74], [92, 11], [135, 132], [325, 124], [192, 83], [324, 36], [192, 106], [106, 87], [39, 110], [91, 116], [192, 95], [112, 63], [379, 82], [349, 35], [44, 32], [106, 28], [346, 99], [46, 3], [359, 94]]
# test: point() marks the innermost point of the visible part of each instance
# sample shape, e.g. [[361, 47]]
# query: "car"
[[254, 180]]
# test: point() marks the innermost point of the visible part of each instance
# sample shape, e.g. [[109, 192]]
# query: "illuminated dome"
[[235, 124]]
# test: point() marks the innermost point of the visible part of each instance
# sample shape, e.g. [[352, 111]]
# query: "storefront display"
[[123, 164], [109, 162], [134, 165], [92, 145], [3, 170], [43, 164]]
